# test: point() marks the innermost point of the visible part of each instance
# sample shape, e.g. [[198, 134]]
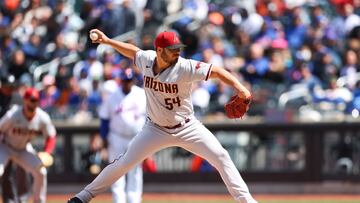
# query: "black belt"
[[175, 126]]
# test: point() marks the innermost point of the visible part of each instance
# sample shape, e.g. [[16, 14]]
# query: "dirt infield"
[[224, 197], [305, 197], [221, 198]]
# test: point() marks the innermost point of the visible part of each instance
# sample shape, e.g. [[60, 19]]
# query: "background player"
[[168, 80], [18, 126], [15, 181], [122, 117]]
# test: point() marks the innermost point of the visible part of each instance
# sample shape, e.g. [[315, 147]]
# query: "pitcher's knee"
[[124, 164], [222, 157], [223, 154]]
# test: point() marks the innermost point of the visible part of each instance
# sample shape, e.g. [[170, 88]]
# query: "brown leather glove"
[[236, 107]]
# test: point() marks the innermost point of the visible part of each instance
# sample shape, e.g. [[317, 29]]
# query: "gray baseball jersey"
[[169, 92], [18, 130]]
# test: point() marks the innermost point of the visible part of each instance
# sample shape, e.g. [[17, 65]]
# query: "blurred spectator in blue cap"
[[127, 74], [128, 79], [130, 73]]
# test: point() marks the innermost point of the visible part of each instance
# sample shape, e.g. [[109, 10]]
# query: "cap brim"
[[176, 46]]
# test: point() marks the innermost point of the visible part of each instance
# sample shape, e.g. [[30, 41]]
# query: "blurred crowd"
[[290, 53]]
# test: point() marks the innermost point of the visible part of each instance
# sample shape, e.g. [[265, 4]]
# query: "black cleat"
[[74, 200]]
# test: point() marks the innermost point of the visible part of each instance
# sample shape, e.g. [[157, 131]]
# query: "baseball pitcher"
[[168, 80], [18, 126]]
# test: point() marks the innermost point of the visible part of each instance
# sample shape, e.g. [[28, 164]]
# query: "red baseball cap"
[[31, 93], [168, 40]]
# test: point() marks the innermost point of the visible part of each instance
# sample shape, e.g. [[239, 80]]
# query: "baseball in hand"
[[94, 36]]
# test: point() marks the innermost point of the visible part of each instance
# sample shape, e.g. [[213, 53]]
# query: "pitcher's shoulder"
[[146, 54]]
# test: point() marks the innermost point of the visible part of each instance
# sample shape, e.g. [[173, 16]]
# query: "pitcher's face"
[[170, 55]]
